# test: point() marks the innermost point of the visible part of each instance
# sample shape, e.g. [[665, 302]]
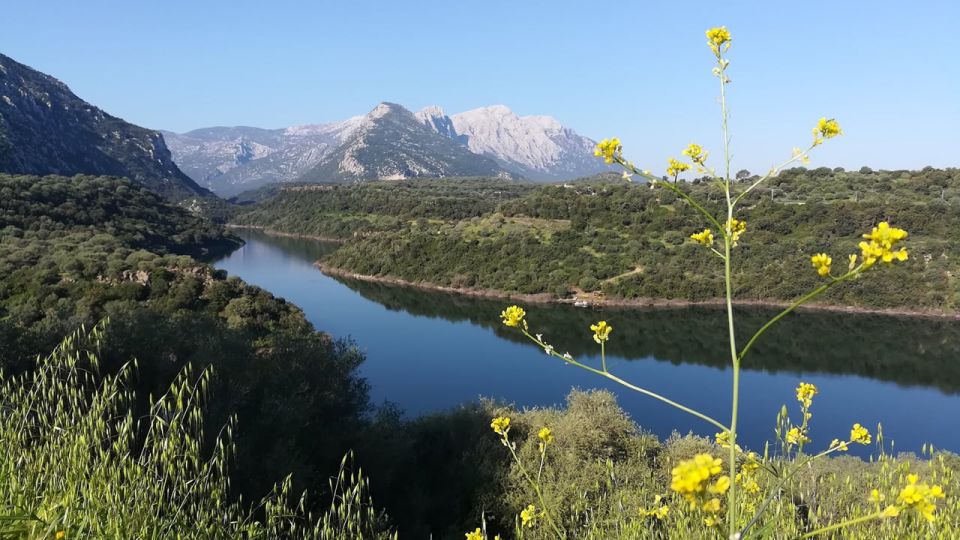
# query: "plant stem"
[[603, 356], [799, 302], [732, 509], [536, 489], [618, 380], [840, 525]]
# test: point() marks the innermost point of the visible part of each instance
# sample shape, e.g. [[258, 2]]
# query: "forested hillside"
[[631, 241], [74, 251]]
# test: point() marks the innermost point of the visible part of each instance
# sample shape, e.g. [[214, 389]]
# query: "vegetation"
[[75, 251], [741, 494], [78, 461], [630, 242]]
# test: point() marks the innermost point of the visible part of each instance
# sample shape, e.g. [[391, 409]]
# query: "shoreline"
[[630, 303], [271, 232]]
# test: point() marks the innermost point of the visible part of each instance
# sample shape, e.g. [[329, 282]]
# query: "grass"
[[76, 462]]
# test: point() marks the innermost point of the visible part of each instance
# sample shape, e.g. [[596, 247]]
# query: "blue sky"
[[888, 71]]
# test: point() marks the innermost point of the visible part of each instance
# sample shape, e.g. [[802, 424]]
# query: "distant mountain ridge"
[[46, 129], [389, 142]]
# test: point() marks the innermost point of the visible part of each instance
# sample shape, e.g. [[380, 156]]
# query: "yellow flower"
[[853, 261], [797, 436], [720, 486], [891, 511], [713, 505], [735, 228], [882, 239], [500, 425], [601, 331], [717, 37], [610, 150], [711, 521], [920, 498], [659, 511], [859, 434], [704, 238], [822, 262], [689, 477], [841, 446], [513, 315], [826, 129], [749, 484], [676, 167], [876, 497], [695, 153], [475, 535], [805, 393], [545, 435], [529, 515], [60, 535]]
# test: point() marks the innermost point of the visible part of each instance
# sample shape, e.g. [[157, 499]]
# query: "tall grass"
[[75, 461]]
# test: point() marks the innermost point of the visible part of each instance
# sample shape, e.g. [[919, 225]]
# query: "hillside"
[[46, 129], [630, 242]]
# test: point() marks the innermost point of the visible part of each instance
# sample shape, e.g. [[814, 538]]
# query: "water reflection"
[[430, 352], [907, 351]]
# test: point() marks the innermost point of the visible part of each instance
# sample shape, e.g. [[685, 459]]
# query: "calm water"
[[429, 352]]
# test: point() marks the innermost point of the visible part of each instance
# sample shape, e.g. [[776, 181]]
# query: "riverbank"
[[595, 300], [271, 232]]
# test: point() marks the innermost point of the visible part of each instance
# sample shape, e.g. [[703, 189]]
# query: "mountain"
[[230, 160], [536, 147], [390, 143], [46, 129]]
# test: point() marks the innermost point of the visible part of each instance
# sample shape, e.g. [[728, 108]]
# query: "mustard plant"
[[727, 495]]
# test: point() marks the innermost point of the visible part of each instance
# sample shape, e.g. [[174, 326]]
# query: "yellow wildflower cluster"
[[797, 435], [723, 440], [717, 37], [704, 237], [878, 244], [610, 150], [676, 167], [822, 262], [735, 228], [545, 435], [838, 445], [513, 316], [696, 154], [601, 331], [805, 393], [920, 498], [500, 425], [859, 434], [529, 515], [475, 535], [691, 479], [826, 129], [658, 511]]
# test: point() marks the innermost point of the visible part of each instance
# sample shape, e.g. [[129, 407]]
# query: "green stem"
[[799, 302], [840, 525], [603, 356], [536, 488], [783, 480], [618, 380], [732, 509], [771, 173], [676, 190]]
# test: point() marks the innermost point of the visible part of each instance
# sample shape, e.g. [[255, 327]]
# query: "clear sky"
[[888, 71]]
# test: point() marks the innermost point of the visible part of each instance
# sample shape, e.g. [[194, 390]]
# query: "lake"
[[430, 352]]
